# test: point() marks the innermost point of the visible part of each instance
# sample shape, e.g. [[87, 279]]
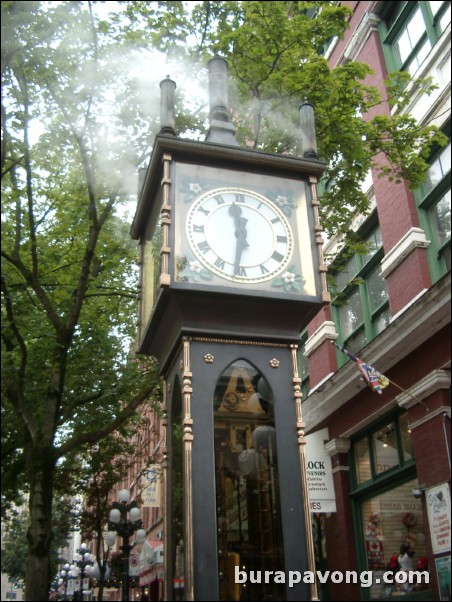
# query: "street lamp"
[[83, 561], [124, 520], [65, 575]]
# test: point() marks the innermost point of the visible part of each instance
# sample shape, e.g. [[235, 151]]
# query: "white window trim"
[[413, 239]]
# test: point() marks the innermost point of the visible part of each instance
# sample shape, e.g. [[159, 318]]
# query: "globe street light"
[[83, 562], [124, 520], [65, 575]]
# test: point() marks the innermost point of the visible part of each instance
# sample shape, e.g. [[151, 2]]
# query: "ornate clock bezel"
[[288, 195], [274, 256]]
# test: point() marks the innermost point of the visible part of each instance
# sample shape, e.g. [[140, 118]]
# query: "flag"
[[372, 377]]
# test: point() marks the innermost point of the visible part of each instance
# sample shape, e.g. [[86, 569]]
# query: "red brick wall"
[[341, 549], [409, 279]]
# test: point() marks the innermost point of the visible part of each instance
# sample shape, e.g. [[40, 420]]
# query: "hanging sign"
[[150, 482], [322, 497], [438, 510]]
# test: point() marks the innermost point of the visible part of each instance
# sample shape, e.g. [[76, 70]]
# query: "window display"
[[394, 538]]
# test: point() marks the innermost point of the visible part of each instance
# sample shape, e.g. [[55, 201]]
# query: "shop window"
[[393, 533], [391, 529], [434, 212], [384, 448], [409, 31], [360, 298]]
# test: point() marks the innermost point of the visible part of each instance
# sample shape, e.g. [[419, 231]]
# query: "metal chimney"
[[221, 129], [167, 106], [308, 138]]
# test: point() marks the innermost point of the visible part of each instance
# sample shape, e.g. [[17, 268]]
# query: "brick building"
[[390, 452]]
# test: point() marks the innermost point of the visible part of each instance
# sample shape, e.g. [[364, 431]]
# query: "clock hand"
[[240, 234]]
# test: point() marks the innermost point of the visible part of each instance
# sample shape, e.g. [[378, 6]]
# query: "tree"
[[14, 544], [275, 52], [105, 467], [74, 127], [68, 279]]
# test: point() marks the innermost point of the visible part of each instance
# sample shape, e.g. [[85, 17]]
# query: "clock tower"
[[231, 272]]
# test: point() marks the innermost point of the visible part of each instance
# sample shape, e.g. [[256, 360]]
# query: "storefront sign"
[[134, 565], [322, 497], [438, 509], [150, 493]]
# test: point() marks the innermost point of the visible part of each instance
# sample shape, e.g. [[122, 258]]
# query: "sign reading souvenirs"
[[322, 497]]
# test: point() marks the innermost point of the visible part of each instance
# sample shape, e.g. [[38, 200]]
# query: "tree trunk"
[[40, 467]]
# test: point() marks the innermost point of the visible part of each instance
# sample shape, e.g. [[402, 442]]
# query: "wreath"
[[409, 520]]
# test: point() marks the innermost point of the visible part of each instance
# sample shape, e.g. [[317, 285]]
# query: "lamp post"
[[83, 560], [65, 575], [124, 520]]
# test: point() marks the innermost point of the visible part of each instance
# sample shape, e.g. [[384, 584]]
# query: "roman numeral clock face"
[[239, 235]]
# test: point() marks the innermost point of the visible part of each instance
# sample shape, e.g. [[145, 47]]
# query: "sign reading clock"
[[239, 235], [242, 230]]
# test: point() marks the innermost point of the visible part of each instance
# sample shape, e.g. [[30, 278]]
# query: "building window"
[[360, 299], [389, 516], [409, 31], [379, 450], [434, 212], [393, 537]]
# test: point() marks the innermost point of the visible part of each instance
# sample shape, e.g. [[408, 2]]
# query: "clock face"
[[240, 235]]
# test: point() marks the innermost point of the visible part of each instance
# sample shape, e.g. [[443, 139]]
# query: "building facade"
[[391, 308]]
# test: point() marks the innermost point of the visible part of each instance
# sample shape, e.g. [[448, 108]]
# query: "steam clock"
[[231, 271]]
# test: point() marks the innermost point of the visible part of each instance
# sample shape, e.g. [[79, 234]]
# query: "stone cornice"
[[339, 445], [325, 332], [438, 379], [414, 238]]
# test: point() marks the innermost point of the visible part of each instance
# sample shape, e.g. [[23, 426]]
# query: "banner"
[[150, 483], [322, 497]]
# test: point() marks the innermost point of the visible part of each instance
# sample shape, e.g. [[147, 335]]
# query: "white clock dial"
[[239, 235]]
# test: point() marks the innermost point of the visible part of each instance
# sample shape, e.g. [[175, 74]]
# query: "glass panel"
[[374, 242], [441, 219], [382, 320], [376, 287], [357, 341], [351, 314], [405, 434], [437, 170], [346, 274], [434, 175], [394, 539], [416, 27], [404, 46], [435, 5], [445, 159], [419, 58], [362, 460], [410, 35], [248, 505], [385, 448], [444, 20]]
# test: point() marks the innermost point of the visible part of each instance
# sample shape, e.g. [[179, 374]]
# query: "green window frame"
[[409, 30], [380, 451], [434, 204], [360, 304]]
